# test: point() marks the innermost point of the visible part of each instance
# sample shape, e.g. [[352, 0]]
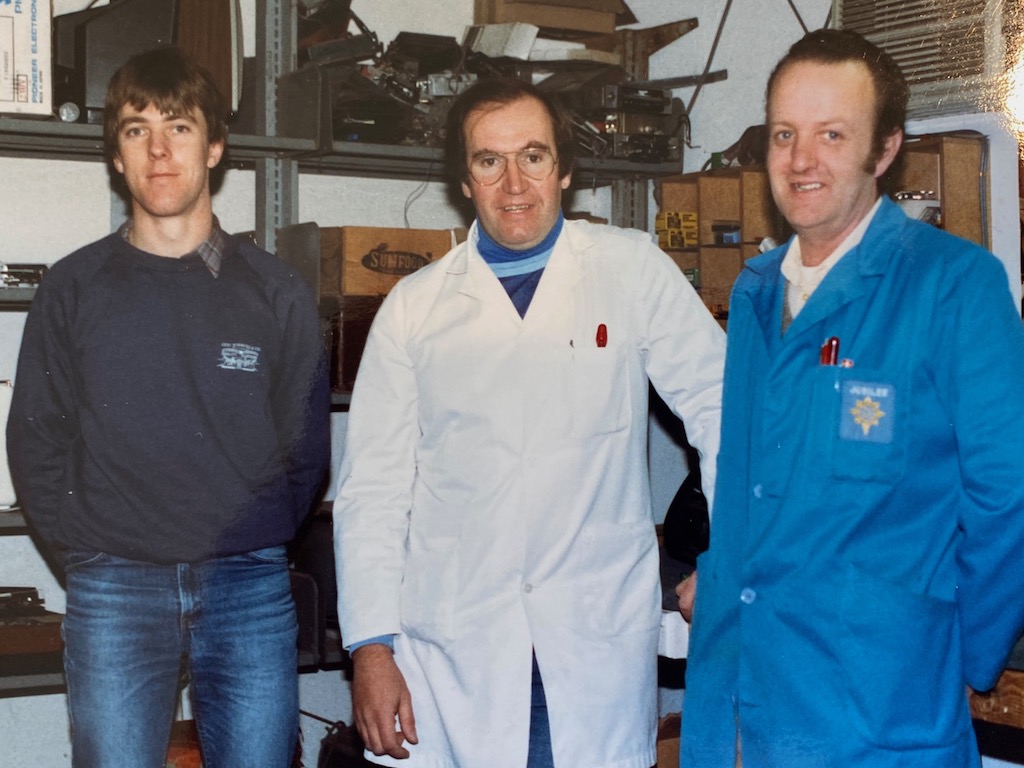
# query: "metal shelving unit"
[[278, 160], [12, 522]]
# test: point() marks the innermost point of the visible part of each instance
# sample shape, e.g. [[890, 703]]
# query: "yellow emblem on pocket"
[[867, 414]]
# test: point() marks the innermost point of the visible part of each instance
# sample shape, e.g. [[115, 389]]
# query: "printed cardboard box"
[[353, 269], [26, 78]]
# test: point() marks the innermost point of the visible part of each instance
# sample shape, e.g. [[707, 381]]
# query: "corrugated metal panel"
[[951, 51]]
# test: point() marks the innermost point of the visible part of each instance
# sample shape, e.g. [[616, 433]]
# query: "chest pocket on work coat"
[[600, 398], [864, 415]]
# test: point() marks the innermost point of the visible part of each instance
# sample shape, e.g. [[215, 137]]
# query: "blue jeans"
[[131, 625]]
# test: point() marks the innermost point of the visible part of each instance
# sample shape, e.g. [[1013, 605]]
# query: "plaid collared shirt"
[[211, 250]]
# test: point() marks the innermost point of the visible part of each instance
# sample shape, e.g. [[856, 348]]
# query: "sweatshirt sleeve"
[[302, 403], [42, 424]]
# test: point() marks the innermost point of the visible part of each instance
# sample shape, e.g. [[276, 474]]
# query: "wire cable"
[[798, 16], [711, 57]]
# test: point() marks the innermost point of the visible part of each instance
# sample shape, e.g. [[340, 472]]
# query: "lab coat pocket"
[[428, 589], [600, 397], [864, 412], [900, 653], [618, 569]]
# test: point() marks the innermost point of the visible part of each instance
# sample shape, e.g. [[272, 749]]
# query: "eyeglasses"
[[536, 163]]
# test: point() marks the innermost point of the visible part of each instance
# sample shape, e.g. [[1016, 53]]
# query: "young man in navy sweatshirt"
[[169, 432]]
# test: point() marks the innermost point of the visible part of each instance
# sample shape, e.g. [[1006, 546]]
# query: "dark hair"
[[836, 46], [171, 81], [500, 92]]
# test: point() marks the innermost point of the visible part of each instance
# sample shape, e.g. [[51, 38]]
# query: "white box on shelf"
[[26, 77], [514, 39]]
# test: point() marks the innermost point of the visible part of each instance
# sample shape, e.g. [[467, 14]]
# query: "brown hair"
[[171, 81]]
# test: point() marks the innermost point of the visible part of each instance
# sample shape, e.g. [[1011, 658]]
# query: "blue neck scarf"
[[506, 263]]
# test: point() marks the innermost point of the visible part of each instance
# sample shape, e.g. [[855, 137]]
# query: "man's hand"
[[379, 694], [686, 591]]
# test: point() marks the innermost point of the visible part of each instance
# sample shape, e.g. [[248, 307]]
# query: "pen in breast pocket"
[[602, 335], [829, 352]]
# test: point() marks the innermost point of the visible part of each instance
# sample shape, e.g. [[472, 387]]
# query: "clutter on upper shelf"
[[350, 88]]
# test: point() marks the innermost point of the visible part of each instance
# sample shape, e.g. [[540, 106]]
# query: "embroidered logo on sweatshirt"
[[235, 356]]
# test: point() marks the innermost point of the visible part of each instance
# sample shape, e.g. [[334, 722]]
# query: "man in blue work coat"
[[865, 563]]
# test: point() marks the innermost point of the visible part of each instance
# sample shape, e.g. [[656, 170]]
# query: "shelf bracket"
[[637, 45]]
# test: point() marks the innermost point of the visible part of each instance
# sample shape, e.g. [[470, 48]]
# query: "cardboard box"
[[26, 77], [352, 269], [368, 261], [545, 16]]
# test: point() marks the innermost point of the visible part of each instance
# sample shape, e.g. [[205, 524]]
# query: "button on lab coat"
[[494, 494]]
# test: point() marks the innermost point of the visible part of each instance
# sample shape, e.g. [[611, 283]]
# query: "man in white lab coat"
[[493, 512]]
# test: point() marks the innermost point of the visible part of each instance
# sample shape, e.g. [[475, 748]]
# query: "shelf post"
[[629, 203], [277, 178]]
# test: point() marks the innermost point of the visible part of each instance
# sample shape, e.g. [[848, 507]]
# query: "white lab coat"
[[494, 495]]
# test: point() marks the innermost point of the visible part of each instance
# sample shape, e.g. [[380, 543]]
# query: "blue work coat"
[[867, 550]]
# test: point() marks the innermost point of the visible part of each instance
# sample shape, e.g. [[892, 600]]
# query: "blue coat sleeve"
[[983, 378]]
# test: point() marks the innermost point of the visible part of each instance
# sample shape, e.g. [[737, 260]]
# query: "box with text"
[[26, 77]]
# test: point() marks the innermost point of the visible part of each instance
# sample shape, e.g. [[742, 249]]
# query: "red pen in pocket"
[[602, 335], [830, 352]]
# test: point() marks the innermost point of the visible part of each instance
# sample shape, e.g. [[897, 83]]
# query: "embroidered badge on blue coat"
[[867, 411]]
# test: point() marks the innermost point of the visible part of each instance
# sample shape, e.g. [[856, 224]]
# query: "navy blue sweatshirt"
[[165, 415]]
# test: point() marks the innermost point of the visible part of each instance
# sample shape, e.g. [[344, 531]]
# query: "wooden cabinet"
[[954, 167], [724, 216]]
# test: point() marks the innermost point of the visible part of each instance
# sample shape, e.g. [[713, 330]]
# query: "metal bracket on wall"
[[277, 178], [637, 45]]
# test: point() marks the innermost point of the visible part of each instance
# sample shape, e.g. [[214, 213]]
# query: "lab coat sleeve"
[[375, 482], [982, 373], [685, 350]]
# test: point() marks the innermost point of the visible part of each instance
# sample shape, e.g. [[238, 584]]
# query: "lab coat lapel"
[[855, 272], [765, 295], [555, 291], [476, 280]]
